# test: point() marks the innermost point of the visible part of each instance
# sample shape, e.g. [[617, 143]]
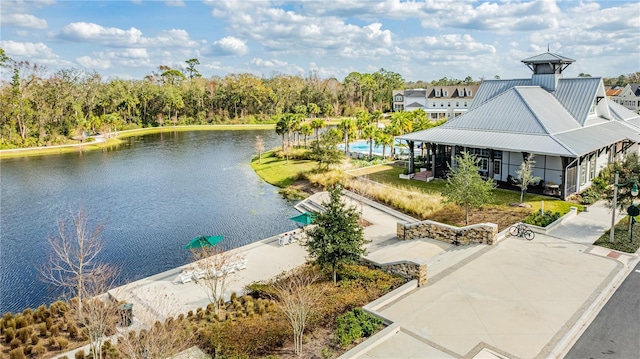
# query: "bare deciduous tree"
[[73, 257], [525, 175], [297, 298], [97, 313], [213, 270], [73, 266]]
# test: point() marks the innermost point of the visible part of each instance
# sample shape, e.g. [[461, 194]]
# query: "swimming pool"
[[363, 147]]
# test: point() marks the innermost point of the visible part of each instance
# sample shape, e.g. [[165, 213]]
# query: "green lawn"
[[501, 197], [278, 171], [621, 237]]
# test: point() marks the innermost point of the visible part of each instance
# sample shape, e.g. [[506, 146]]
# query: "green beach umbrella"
[[305, 218], [203, 241]]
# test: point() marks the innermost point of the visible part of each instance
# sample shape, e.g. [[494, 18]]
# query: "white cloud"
[[112, 36], [94, 63], [23, 20], [229, 46], [27, 49], [276, 65], [90, 32]]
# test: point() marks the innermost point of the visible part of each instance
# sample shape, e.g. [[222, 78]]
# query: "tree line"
[[43, 109], [38, 108]]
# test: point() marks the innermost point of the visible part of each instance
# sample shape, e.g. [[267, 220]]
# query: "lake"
[[152, 194]]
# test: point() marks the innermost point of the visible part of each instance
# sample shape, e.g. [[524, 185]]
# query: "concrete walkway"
[[516, 299]]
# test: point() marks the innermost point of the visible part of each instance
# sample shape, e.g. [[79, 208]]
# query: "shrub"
[[72, 330], [55, 330], [17, 353], [348, 329], [542, 220], [354, 325], [35, 339], [39, 349], [43, 329], [79, 354], [21, 322], [23, 334], [9, 334], [15, 343], [63, 342]]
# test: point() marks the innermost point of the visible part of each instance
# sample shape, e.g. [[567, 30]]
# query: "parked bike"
[[521, 230]]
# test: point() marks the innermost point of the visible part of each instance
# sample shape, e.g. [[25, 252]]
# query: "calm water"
[[152, 194]]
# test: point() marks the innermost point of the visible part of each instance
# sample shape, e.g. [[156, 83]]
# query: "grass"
[[280, 172], [501, 197], [621, 240]]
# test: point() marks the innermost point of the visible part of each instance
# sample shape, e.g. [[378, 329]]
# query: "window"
[[497, 167], [445, 93], [399, 98], [457, 103], [583, 172], [434, 104], [437, 93], [441, 104], [592, 167], [484, 164], [497, 154], [449, 104], [465, 104], [469, 93]]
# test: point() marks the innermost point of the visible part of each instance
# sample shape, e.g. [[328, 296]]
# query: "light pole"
[[634, 193]]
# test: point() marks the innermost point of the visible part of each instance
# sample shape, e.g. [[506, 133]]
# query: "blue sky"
[[421, 40]]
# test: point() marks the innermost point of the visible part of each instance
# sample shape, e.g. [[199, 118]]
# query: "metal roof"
[[577, 95], [530, 110], [517, 142], [586, 139], [548, 57], [415, 104], [620, 112], [490, 88]]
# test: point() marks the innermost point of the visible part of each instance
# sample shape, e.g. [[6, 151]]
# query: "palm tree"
[[306, 131], [383, 139], [317, 124], [348, 128], [402, 122], [376, 116], [392, 131], [362, 120], [420, 121], [370, 133]]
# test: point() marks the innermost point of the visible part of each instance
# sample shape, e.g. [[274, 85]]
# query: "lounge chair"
[[241, 264]]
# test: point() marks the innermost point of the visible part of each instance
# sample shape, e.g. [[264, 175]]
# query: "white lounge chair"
[[283, 241], [185, 277], [241, 264]]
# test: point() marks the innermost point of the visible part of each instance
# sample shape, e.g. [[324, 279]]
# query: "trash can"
[[126, 314]]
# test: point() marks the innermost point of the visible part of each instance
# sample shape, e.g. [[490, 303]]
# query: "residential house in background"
[[629, 97], [437, 101], [567, 123]]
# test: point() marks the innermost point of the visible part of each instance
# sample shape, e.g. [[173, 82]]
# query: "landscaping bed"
[[621, 238]]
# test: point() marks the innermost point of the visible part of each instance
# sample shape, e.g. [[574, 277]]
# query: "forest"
[[38, 108]]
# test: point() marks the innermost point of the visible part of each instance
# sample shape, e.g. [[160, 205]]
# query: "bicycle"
[[521, 230]]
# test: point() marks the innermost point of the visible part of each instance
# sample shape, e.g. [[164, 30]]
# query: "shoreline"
[[101, 142]]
